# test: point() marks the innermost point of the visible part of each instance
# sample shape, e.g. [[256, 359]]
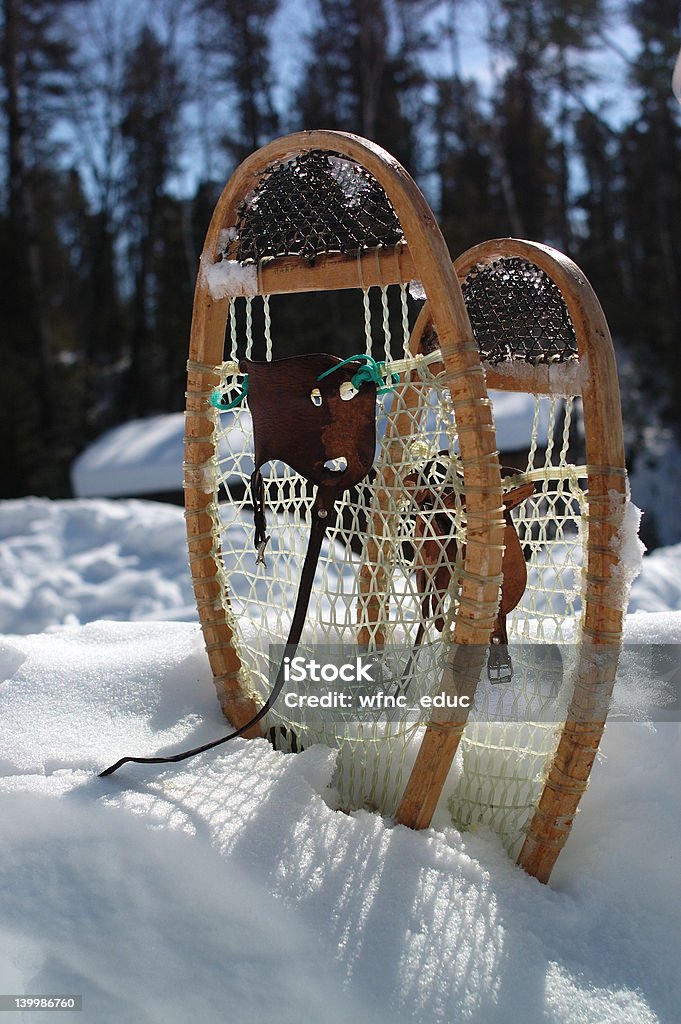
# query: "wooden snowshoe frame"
[[412, 247], [578, 360], [393, 240]]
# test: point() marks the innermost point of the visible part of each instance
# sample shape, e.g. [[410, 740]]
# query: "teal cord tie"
[[217, 399], [372, 371]]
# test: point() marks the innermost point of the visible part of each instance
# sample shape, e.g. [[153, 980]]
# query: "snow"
[[69, 562], [513, 418], [229, 278], [630, 550], [142, 457], [659, 585], [226, 887], [137, 457]]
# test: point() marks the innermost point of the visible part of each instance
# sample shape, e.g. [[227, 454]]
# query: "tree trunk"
[[24, 226]]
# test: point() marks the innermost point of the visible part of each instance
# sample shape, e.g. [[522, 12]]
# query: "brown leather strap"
[[320, 524], [434, 566], [306, 423]]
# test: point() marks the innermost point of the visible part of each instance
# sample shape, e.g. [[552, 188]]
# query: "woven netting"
[[507, 745], [315, 203], [517, 312], [365, 588]]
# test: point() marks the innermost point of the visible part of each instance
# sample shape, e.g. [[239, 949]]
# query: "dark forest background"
[[122, 121]]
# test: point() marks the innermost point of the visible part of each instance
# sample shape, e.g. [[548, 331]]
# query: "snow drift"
[[227, 888]]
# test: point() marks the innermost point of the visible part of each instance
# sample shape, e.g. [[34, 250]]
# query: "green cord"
[[216, 399], [371, 371]]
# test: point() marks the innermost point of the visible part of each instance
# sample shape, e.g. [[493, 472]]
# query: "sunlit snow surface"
[[226, 888]]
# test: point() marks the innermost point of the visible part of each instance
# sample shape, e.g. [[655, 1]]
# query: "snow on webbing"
[[629, 548], [518, 312], [229, 885], [314, 203]]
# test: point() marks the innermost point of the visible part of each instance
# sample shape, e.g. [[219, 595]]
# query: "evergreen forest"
[[121, 121]]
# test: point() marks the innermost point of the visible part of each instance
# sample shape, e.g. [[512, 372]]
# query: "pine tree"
[[36, 60], [541, 45], [364, 75], [152, 103], [237, 50], [651, 233], [599, 245], [470, 203]]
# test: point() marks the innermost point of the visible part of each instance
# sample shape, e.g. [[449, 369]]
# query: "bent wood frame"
[[594, 377], [423, 255]]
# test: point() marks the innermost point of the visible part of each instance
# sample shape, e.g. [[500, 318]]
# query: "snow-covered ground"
[[226, 888]]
